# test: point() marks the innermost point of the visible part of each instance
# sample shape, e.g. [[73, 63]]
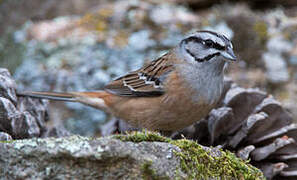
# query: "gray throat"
[[206, 79]]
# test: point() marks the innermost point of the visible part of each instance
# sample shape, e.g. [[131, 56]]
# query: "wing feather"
[[147, 81]]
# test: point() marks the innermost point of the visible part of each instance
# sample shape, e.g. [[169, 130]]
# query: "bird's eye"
[[209, 43]]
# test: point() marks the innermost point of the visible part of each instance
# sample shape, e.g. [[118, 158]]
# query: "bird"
[[167, 94]]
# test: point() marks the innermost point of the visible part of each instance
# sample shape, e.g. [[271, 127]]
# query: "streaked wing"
[[147, 81]]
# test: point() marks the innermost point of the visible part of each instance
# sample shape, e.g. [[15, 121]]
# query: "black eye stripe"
[[193, 55], [218, 46], [207, 42], [207, 58]]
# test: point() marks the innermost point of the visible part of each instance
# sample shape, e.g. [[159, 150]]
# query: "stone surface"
[[5, 137], [7, 86], [85, 157], [56, 132], [110, 158], [277, 70], [8, 114]]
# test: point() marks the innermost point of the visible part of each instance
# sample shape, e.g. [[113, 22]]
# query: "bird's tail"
[[57, 96], [94, 99]]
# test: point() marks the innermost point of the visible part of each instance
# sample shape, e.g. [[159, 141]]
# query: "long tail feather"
[[94, 99], [49, 95]]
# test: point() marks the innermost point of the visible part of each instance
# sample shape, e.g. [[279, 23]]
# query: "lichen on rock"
[[91, 158]]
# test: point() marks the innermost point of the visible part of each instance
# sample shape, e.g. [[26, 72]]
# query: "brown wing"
[[147, 81]]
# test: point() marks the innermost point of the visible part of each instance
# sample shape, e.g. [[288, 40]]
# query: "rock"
[[170, 14], [37, 108], [5, 137], [56, 132], [7, 86], [39, 10], [279, 44], [293, 56], [144, 36], [22, 117], [25, 127], [18, 124], [249, 43], [111, 158], [277, 71], [110, 127], [8, 114], [293, 60]]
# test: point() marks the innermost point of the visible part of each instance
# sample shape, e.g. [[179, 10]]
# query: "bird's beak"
[[229, 54]]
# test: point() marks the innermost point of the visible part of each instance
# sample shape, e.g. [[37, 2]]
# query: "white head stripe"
[[212, 36]]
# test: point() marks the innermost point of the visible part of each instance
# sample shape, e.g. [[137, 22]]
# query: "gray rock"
[[76, 156], [277, 71], [279, 44], [56, 132], [25, 126], [22, 117], [293, 60], [5, 137], [8, 113], [18, 124], [37, 108], [141, 36], [7, 86]]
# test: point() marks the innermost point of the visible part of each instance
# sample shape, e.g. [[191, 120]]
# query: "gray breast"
[[205, 79]]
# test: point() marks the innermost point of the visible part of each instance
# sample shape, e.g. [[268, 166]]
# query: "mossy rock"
[[199, 162], [139, 155]]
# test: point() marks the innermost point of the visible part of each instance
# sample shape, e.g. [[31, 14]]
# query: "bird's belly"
[[162, 113], [183, 112]]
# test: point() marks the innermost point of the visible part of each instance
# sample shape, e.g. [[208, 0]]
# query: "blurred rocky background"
[[77, 45]]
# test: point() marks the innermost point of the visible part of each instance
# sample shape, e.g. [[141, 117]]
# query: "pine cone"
[[22, 117], [253, 125]]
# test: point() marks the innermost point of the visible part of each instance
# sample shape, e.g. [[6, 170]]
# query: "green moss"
[[197, 162], [148, 173]]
